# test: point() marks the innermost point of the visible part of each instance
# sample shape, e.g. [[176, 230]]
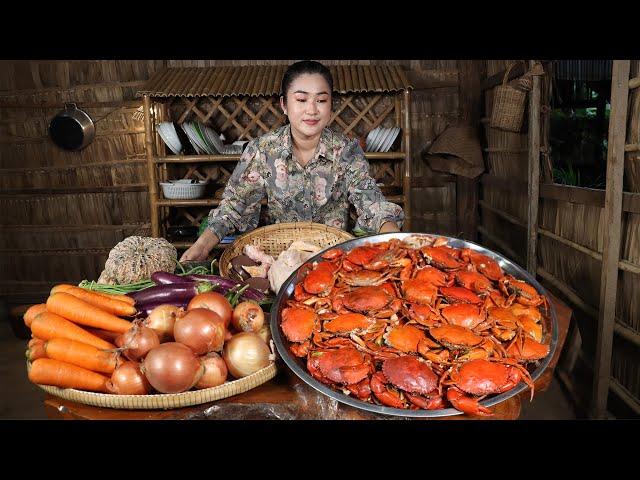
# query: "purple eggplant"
[[149, 307], [166, 278], [226, 284], [172, 293]]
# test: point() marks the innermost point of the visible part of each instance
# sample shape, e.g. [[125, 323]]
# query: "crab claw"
[[466, 404]]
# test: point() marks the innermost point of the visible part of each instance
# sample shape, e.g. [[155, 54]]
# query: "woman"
[[307, 172]]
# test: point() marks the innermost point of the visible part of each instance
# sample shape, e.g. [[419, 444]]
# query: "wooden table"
[[287, 397]]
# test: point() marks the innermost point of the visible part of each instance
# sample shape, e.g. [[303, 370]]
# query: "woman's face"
[[308, 104]]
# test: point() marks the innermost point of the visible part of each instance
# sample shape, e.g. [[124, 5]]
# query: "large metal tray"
[[298, 365]]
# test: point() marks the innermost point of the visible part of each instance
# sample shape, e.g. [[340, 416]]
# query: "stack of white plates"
[[169, 136], [206, 141], [380, 139]]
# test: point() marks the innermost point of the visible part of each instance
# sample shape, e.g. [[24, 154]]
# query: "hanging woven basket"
[[508, 105]]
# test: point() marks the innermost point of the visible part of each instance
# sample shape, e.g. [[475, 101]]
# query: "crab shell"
[[463, 314], [454, 336], [344, 365], [482, 377], [405, 338], [419, 291], [529, 351], [434, 276], [367, 299], [484, 264], [441, 257], [473, 281], [347, 322], [410, 374], [298, 323], [460, 295]]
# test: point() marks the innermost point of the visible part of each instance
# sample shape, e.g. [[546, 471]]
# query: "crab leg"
[[466, 404]]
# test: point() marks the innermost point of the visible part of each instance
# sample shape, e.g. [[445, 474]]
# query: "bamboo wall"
[[61, 212], [572, 271]]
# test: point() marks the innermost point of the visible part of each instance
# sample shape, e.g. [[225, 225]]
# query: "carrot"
[[104, 334], [48, 325], [64, 287], [83, 313], [81, 354], [46, 371], [107, 304], [36, 349], [34, 341], [31, 313]]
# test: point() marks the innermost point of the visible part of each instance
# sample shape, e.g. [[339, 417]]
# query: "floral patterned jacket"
[[338, 174]]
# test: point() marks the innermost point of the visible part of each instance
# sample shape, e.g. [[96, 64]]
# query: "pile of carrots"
[[72, 335]]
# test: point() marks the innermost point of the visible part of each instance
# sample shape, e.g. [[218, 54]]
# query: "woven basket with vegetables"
[[165, 341]]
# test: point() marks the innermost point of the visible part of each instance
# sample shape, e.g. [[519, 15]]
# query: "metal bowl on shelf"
[[298, 365]]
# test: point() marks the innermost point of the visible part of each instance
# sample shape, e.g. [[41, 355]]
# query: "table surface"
[[288, 397]]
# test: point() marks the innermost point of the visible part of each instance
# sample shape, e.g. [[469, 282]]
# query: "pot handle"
[[70, 105]]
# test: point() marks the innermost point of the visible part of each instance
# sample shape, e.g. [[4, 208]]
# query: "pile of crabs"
[[416, 324]]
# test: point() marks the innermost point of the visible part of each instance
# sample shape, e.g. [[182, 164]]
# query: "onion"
[[248, 317], [201, 330], [161, 320], [265, 333], [245, 353], [137, 341], [215, 371], [172, 368], [128, 379], [215, 302]]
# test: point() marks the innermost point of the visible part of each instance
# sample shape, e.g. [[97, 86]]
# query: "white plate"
[[170, 137], [390, 139], [383, 136], [190, 135], [199, 130], [214, 139], [376, 140], [369, 142], [198, 137]]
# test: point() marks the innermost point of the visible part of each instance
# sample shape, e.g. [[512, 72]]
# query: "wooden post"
[[611, 250], [406, 184], [467, 189], [534, 172], [151, 168]]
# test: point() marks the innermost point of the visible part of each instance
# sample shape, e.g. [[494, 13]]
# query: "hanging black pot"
[[72, 128]]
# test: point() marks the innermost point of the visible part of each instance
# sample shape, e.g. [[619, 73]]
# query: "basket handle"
[[506, 73]]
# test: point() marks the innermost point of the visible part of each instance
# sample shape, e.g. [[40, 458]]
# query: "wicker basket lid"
[[273, 239]]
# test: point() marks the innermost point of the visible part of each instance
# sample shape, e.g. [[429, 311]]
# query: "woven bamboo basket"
[[164, 401], [276, 238], [508, 105]]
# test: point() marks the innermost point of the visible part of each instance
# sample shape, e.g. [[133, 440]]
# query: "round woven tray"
[[165, 400], [273, 239]]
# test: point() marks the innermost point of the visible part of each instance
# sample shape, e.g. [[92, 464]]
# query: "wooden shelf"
[[235, 158]]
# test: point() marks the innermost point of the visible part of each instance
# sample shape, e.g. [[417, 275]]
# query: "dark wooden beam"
[[534, 173]]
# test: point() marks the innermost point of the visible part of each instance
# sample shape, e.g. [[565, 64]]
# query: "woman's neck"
[[304, 147]]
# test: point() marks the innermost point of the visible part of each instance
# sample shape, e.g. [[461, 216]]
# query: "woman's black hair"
[[301, 68]]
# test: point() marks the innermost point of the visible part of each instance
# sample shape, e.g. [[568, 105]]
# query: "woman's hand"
[[388, 227], [201, 248]]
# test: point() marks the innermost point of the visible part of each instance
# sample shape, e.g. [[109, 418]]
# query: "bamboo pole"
[[151, 169], [611, 251], [624, 395], [534, 173], [406, 184], [634, 83]]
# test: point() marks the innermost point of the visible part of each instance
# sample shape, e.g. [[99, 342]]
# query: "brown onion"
[[128, 379], [161, 320], [265, 333], [172, 368], [137, 341], [201, 330], [213, 301], [215, 371], [248, 317], [245, 353]]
